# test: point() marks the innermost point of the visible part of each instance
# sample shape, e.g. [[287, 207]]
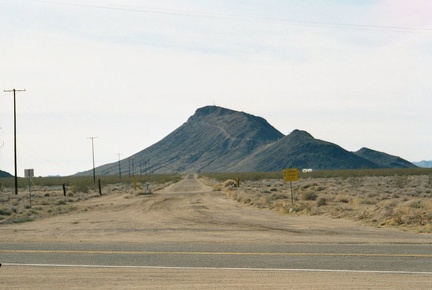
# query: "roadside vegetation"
[[248, 176], [48, 198], [400, 198]]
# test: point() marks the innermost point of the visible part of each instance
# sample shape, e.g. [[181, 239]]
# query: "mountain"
[[4, 174], [212, 140], [424, 164], [300, 150], [217, 139], [384, 159]]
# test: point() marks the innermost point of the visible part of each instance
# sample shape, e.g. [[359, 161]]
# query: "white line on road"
[[212, 268]]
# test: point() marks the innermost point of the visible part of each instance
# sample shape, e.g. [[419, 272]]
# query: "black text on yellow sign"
[[290, 174]]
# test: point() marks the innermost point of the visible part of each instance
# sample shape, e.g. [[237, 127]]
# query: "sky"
[[129, 72]]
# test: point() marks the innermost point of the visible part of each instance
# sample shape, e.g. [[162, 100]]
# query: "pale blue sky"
[[355, 73]]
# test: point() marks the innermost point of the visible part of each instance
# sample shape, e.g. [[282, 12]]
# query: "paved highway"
[[404, 258]]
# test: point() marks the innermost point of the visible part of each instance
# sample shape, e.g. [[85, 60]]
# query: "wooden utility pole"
[[15, 146], [94, 169], [119, 165]]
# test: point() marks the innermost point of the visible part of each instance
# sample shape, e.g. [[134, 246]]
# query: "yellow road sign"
[[290, 174]]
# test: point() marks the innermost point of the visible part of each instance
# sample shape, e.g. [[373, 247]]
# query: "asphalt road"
[[313, 256], [409, 258]]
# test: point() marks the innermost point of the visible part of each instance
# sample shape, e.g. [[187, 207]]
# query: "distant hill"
[[424, 164], [384, 159], [213, 139], [217, 139], [4, 174], [300, 150]]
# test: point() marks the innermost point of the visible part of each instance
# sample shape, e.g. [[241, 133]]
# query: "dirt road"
[[189, 212]]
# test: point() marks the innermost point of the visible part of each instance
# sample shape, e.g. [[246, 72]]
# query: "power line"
[[271, 20]]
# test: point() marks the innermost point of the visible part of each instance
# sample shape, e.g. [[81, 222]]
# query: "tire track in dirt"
[[190, 184]]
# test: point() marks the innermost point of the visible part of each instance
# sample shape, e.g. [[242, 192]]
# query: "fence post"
[[100, 187]]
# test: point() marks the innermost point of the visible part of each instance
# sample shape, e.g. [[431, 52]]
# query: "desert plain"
[[212, 214]]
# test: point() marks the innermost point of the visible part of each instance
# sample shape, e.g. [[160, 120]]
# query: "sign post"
[[290, 174], [29, 173]]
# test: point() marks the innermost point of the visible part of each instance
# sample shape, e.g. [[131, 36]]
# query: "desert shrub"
[[396, 220], [372, 194], [80, 186], [245, 200], [309, 196], [401, 180], [321, 201], [343, 200], [229, 183], [5, 212], [279, 196], [415, 204], [45, 202], [60, 202], [355, 181], [368, 201], [21, 220]]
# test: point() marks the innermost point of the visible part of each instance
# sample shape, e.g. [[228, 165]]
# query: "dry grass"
[[403, 202], [50, 200]]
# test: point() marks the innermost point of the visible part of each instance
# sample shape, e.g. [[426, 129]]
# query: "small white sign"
[[29, 173]]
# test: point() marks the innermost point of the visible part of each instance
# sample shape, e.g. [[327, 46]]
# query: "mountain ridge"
[[216, 139], [5, 174], [424, 163], [300, 150], [212, 139], [382, 158]]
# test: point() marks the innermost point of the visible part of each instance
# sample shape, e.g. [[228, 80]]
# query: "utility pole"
[[15, 146], [133, 168], [129, 160], [119, 166], [94, 169]]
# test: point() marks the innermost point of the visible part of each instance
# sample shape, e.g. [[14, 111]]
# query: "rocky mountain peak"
[[217, 139]]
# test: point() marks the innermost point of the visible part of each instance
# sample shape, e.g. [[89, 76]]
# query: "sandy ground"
[[117, 278], [190, 212]]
